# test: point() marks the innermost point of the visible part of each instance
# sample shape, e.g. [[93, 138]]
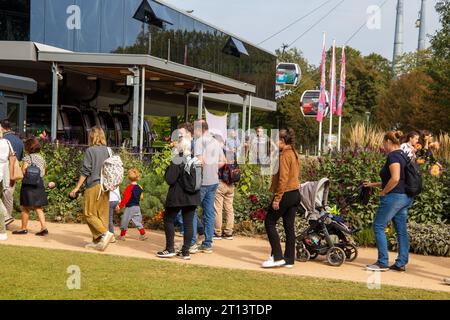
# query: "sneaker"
[[377, 267], [92, 246], [42, 233], [228, 237], [193, 249], [20, 232], [165, 254], [120, 238], [217, 237], [113, 240], [288, 266], [447, 281], [205, 249], [399, 269], [106, 240], [271, 263], [143, 237], [183, 256], [9, 221], [3, 237]]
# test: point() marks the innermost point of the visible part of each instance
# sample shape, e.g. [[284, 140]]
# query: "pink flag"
[[323, 92], [333, 82], [342, 84]]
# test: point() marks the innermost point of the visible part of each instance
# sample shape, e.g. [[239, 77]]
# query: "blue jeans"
[[112, 207], [207, 196], [179, 222], [393, 206]]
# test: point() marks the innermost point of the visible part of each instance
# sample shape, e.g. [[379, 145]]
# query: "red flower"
[[253, 198], [259, 214]]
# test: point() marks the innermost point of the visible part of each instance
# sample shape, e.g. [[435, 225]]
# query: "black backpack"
[[230, 173], [413, 177], [32, 176], [191, 175]]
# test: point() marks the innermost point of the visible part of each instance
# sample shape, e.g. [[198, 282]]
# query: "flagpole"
[[320, 123], [339, 133], [332, 93]]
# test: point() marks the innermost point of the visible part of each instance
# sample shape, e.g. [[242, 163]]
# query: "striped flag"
[[333, 82], [342, 84], [323, 92]]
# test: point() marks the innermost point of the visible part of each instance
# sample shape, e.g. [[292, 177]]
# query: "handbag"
[[32, 176], [15, 171]]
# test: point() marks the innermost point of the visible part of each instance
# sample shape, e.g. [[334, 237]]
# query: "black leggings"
[[169, 227], [288, 209]]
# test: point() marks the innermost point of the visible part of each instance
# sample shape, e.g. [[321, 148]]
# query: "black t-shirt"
[[385, 174]]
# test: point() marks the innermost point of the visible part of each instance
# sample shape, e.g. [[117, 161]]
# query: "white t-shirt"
[[114, 196], [4, 157], [408, 149]]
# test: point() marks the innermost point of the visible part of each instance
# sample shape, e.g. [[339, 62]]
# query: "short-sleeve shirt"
[[210, 149], [37, 160], [394, 157]]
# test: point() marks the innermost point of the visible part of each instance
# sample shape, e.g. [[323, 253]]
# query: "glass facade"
[[108, 26]]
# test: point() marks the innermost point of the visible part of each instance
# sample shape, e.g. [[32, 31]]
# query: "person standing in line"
[[4, 182], [18, 147], [131, 202], [394, 204], [178, 199], [210, 154], [285, 186], [96, 202], [33, 196]]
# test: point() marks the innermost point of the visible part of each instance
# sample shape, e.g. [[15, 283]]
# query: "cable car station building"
[[73, 64]]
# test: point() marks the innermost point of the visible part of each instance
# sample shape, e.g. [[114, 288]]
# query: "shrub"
[[427, 239]]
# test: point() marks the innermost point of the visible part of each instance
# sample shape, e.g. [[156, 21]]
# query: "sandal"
[[20, 232]]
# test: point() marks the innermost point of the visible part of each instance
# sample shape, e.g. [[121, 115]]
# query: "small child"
[[131, 201]]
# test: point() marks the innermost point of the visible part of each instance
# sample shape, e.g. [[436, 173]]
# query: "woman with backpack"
[[179, 199], [32, 193], [285, 186], [394, 204], [96, 202]]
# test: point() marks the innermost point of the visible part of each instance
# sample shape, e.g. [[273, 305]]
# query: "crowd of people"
[[201, 178]]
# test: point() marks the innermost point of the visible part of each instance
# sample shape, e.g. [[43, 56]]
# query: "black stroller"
[[317, 239]]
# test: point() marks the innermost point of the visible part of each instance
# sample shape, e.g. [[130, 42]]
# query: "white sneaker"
[[288, 266], [193, 249], [113, 240], [3, 237], [270, 263], [106, 240]]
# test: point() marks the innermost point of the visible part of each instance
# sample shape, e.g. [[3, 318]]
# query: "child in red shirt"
[[131, 201]]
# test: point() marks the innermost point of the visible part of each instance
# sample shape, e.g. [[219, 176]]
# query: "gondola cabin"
[[288, 74], [309, 103]]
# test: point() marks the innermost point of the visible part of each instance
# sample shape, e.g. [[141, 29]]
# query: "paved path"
[[424, 272]]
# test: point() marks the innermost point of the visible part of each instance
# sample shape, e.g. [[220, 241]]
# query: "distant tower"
[[422, 26], [398, 41]]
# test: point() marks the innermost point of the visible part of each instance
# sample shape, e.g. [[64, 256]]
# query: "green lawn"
[[28, 273]]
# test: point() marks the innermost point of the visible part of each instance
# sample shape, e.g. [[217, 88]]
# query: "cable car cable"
[[296, 21], [316, 23], [363, 25]]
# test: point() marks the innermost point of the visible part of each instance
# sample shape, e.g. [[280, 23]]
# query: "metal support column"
[[135, 127], [186, 107], [55, 79], [244, 115], [200, 102], [141, 138], [249, 114]]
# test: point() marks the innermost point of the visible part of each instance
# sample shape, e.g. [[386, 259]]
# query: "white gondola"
[[309, 103], [288, 74]]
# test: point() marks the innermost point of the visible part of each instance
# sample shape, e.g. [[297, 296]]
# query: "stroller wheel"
[[351, 252], [336, 256], [303, 254]]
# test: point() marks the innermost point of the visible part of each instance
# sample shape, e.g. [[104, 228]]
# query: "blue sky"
[[255, 20]]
